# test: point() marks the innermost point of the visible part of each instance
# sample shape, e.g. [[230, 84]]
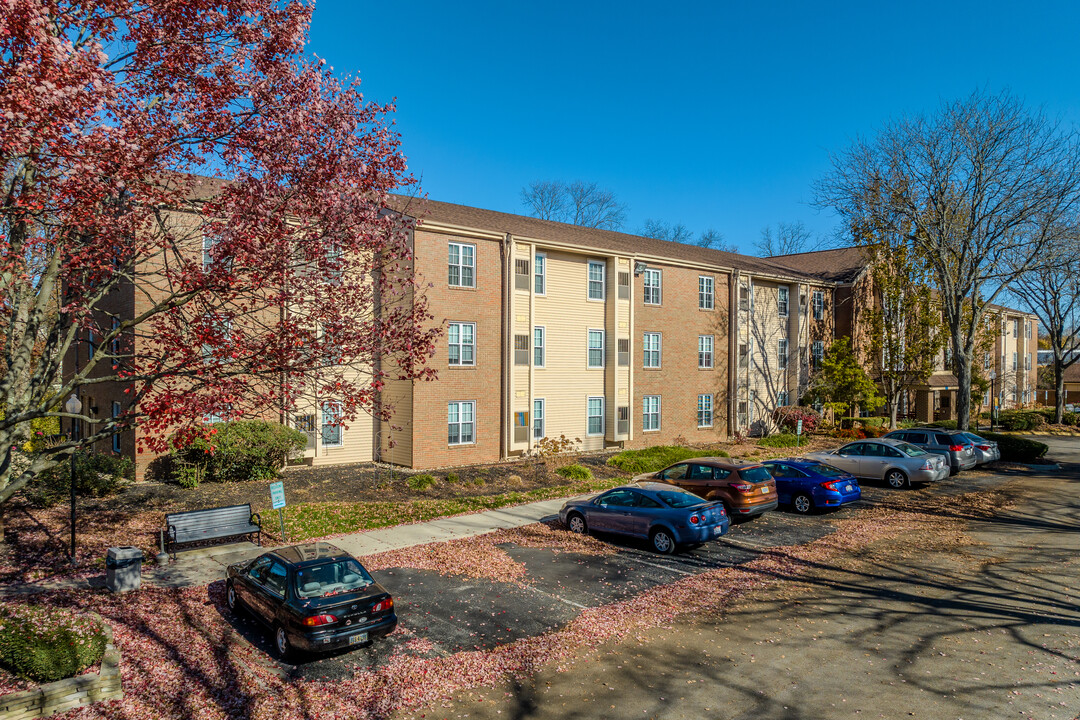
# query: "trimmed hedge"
[[233, 451], [1017, 449], [1021, 419], [575, 472], [781, 440], [46, 644], [654, 458]]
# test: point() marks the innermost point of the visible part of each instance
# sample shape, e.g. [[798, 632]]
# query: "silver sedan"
[[899, 463]]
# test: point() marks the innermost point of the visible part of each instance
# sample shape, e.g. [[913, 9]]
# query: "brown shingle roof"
[[609, 240], [841, 265], [1072, 373]]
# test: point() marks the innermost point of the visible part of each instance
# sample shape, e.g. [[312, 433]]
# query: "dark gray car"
[[952, 444]]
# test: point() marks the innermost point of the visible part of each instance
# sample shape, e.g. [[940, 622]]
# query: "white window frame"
[[460, 344], [705, 410], [706, 292], [819, 305], [650, 413], [652, 294], [209, 240], [324, 426], [783, 297], [589, 349], [1027, 361], [782, 353], [459, 405], [589, 417], [540, 274], [817, 354], [116, 410], [1027, 329], [539, 345], [461, 265], [646, 339], [602, 281], [1015, 361], [539, 413], [781, 398], [706, 358]]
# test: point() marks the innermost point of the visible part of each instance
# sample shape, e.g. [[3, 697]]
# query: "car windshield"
[[679, 498], [910, 450], [974, 438], [826, 470], [755, 474], [331, 578]]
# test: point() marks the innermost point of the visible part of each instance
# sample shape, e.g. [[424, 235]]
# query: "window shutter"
[[624, 352], [521, 274], [624, 285]]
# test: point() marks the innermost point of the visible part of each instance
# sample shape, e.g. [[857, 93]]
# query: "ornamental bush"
[[96, 475], [239, 451], [421, 482], [575, 472], [651, 459], [788, 416], [46, 644], [1021, 420]]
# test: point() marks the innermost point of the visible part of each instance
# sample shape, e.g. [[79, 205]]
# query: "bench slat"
[[210, 523]]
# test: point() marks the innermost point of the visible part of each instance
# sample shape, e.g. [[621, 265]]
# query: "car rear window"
[[331, 578], [755, 474], [826, 470], [910, 450], [679, 498]]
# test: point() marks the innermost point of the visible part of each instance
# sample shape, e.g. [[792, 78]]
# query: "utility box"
[[123, 568]]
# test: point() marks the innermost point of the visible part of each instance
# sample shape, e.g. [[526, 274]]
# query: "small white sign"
[[798, 427]]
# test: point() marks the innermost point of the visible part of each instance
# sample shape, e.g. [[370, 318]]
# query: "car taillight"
[[956, 448], [984, 448], [386, 604], [694, 519], [831, 485], [927, 466], [316, 620], [723, 512], [742, 487]]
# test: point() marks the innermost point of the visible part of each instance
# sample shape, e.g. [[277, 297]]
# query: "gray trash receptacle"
[[123, 568]]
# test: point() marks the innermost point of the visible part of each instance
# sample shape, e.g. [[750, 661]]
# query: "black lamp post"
[[73, 406]]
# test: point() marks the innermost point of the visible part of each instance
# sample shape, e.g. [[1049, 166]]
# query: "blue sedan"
[[668, 516], [806, 485]]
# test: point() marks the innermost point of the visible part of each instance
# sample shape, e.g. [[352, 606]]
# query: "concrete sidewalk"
[[205, 565]]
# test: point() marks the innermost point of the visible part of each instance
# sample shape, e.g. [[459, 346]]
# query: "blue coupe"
[[665, 514], [806, 485]]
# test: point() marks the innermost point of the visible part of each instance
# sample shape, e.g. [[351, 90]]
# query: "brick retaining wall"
[[62, 695]]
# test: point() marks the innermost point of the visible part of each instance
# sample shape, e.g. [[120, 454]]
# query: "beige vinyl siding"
[[565, 382]]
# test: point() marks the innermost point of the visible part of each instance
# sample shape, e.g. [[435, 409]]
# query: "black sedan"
[[314, 597]]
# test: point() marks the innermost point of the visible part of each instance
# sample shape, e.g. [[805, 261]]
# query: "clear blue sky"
[[710, 114]]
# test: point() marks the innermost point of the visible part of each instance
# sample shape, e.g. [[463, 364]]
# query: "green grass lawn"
[[314, 520]]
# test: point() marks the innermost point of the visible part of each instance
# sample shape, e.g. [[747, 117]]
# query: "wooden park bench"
[[211, 524]]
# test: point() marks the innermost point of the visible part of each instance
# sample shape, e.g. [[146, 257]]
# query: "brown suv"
[[746, 488]]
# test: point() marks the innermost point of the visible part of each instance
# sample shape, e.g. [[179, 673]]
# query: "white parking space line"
[[664, 567], [745, 544], [556, 597]]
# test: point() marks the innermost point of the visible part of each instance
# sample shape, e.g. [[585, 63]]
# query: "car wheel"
[[282, 643], [662, 541], [576, 523], [897, 479], [230, 597], [802, 503]]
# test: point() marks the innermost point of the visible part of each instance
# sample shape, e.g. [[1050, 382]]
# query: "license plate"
[[764, 491], [354, 639], [716, 530], [847, 488]]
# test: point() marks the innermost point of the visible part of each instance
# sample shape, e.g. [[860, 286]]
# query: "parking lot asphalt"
[[453, 613]]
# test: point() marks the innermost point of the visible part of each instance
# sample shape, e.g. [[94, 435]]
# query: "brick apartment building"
[[613, 340]]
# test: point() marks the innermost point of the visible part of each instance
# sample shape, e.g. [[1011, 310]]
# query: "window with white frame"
[[331, 424], [652, 287], [596, 279], [650, 413], [460, 421], [650, 353], [462, 339], [538, 346], [704, 411], [595, 416], [219, 331], [220, 412], [705, 351], [781, 398], [1014, 361], [781, 353], [1027, 361], [986, 361], [819, 304], [539, 274], [705, 296], [116, 436], [209, 240], [1027, 329], [596, 348], [462, 265], [817, 353], [1016, 328], [538, 419], [782, 302]]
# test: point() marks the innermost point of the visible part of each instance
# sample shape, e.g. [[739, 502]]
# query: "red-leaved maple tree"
[[125, 266]]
